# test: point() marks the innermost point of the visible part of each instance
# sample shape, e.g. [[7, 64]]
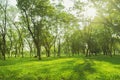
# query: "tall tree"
[[34, 13], [3, 6]]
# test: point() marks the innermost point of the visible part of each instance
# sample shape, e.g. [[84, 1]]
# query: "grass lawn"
[[64, 68]]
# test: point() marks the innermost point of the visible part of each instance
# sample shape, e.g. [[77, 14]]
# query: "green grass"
[[64, 68]]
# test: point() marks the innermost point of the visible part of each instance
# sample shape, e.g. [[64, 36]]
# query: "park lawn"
[[64, 68]]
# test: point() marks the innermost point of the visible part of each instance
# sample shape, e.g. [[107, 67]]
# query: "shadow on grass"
[[80, 71], [13, 61], [6, 74], [113, 60], [19, 60], [55, 58]]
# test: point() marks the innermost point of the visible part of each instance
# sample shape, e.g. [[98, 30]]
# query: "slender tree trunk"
[[16, 51], [54, 49], [4, 47], [11, 43], [30, 51], [22, 50], [114, 52], [59, 48], [87, 53]]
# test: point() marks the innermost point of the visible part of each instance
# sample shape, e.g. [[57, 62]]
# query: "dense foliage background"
[[39, 28]]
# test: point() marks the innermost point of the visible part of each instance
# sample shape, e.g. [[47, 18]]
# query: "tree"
[[31, 11], [3, 7]]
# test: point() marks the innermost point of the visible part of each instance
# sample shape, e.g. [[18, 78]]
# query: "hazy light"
[[12, 2], [90, 12], [68, 4]]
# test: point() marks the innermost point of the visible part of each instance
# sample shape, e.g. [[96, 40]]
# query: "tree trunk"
[[30, 51], [54, 50], [4, 31], [16, 51], [48, 53], [114, 52], [4, 47], [38, 52], [59, 48], [22, 50]]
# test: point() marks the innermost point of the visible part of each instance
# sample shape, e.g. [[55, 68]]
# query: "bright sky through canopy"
[[12, 2], [68, 4], [90, 12]]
